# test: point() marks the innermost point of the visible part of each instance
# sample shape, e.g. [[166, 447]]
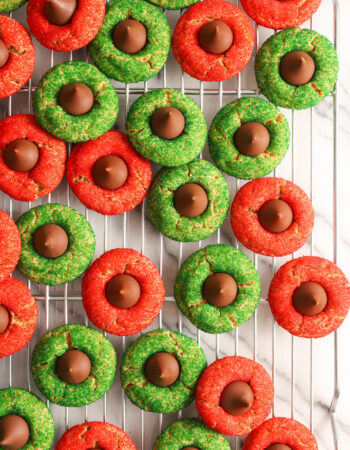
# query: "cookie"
[[18, 325], [46, 174], [145, 393], [152, 146], [80, 174], [95, 435], [10, 5], [190, 433], [131, 61], [212, 385], [314, 81], [122, 316], [173, 222], [280, 430], [52, 380], [207, 60], [173, 4], [248, 207], [55, 119], [210, 312], [309, 323], [22, 403], [18, 54], [74, 259], [10, 245], [77, 31], [248, 119]]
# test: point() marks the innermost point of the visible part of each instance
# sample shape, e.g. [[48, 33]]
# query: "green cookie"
[[77, 257], [10, 5], [79, 337], [54, 119], [173, 4], [267, 68], [154, 398], [224, 126], [174, 152]]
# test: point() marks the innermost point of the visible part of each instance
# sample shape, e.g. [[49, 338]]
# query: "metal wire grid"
[[219, 93]]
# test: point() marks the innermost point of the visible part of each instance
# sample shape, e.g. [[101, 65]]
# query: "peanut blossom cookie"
[[272, 216], [234, 395], [296, 68], [248, 138], [75, 102], [122, 292], [32, 162], [25, 421], [217, 288], [167, 127], [133, 42], [188, 203], [17, 54], [190, 434], [10, 5], [10, 245], [107, 175], [160, 370], [95, 435], [58, 244], [73, 365], [280, 433], [213, 40], [173, 4], [309, 297]]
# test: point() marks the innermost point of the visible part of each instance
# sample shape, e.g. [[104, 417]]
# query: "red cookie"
[[301, 270], [214, 380], [10, 245], [112, 319], [207, 66], [91, 435], [20, 65], [84, 26], [49, 170], [108, 202], [23, 312], [281, 431], [245, 222], [277, 14]]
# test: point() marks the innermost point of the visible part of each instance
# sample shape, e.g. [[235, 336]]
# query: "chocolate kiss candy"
[[215, 37], [73, 367], [76, 98], [4, 318], [190, 200], [297, 68], [278, 446], [237, 398], [167, 122], [110, 172], [14, 432], [220, 289], [130, 36], [310, 298], [21, 155], [123, 291], [50, 241], [4, 53], [189, 448], [60, 12], [162, 369], [252, 138], [275, 216]]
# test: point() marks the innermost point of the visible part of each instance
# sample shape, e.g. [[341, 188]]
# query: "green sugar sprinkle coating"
[[10, 5], [173, 4]]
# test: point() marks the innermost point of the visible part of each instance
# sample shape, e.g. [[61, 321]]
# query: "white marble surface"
[[291, 398]]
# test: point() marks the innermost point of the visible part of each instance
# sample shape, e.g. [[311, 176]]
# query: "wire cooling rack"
[[291, 361]]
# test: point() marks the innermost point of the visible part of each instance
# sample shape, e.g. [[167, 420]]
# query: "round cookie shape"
[[122, 321], [190, 433], [10, 5], [205, 66], [22, 311], [20, 64], [54, 344], [245, 221], [78, 32], [173, 4], [227, 122], [277, 14], [69, 266], [174, 152], [188, 290], [54, 119], [148, 396], [10, 245], [104, 201], [89, 435], [167, 219], [48, 172], [38, 417], [213, 382], [281, 430], [301, 270], [132, 67], [267, 68]]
